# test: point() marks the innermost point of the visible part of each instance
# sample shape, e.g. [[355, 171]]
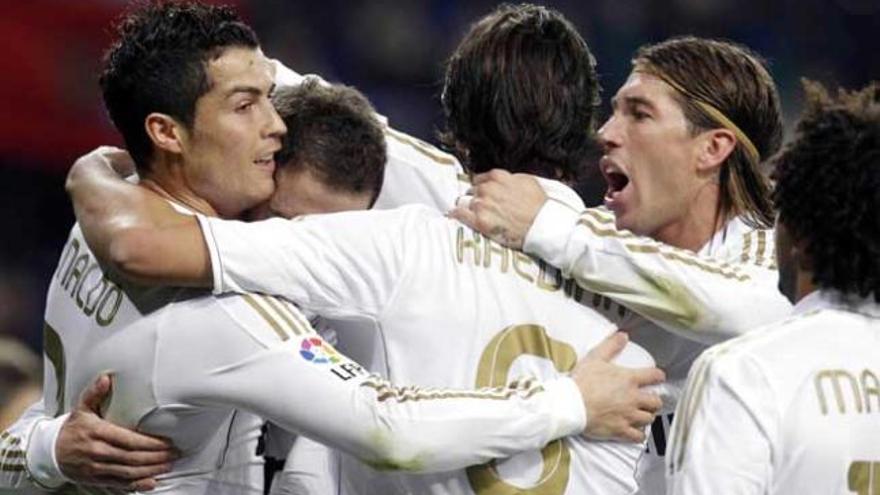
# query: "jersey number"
[[495, 363], [863, 478]]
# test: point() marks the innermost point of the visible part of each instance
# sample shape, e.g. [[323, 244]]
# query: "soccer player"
[[204, 371], [793, 407], [404, 270], [682, 153]]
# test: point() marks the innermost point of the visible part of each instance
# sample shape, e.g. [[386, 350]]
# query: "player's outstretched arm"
[[266, 359], [82, 448], [697, 298], [131, 227]]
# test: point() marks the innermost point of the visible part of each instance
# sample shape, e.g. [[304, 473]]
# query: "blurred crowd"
[[392, 51]]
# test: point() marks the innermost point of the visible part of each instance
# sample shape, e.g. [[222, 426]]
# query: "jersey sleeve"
[[697, 298], [419, 173], [260, 355], [723, 429], [415, 172], [339, 265], [27, 450]]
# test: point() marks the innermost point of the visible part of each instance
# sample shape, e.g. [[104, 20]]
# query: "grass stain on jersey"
[[388, 462]]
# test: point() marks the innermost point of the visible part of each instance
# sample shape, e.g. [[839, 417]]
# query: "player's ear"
[[165, 131], [715, 145]]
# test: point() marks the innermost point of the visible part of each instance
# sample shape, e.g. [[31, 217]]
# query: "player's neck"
[[168, 180], [804, 286], [696, 228]]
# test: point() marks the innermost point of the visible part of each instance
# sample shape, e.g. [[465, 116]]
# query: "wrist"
[[42, 462]]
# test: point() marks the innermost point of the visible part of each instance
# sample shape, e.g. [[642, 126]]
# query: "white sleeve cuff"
[[211, 244], [548, 236], [42, 465], [568, 406]]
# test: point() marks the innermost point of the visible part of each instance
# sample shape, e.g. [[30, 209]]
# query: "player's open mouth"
[[266, 162], [615, 177]]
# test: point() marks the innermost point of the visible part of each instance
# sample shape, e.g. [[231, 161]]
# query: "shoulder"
[[266, 321], [409, 149], [748, 246], [759, 351]]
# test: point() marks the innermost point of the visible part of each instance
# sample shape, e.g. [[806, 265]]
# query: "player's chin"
[[260, 190]]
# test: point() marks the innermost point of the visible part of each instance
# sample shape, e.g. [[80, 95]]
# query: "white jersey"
[[204, 370], [453, 308], [415, 171], [792, 408], [727, 289]]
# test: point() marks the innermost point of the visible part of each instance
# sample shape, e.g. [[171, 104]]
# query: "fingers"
[[648, 376], [641, 419], [464, 215], [493, 175], [636, 435], [111, 454], [125, 439], [121, 476], [144, 485], [610, 347], [649, 401], [95, 394]]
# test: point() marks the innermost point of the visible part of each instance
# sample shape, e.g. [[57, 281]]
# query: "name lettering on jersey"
[[851, 393], [81, 277], [475, 249]]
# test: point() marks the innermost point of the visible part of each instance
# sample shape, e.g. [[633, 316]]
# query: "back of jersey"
[[470, 313], [794, 406], [94, 325], [827, 374]]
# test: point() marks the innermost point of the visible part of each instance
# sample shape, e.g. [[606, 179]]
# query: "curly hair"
[[333, 130], [158, 64], [828, 188], [520, 93]]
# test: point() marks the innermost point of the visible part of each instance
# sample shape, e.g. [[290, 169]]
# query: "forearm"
[[694, 297], [133, 229], [390, 427], [429, 430]]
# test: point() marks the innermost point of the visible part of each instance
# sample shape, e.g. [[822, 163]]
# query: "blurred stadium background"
[[392, 51]]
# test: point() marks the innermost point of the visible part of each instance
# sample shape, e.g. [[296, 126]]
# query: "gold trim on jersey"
[[422, 147], [765, 251], [386, 391], [762, 246], [13, 440], [277, 313], [647, 246], [747, 246], [12, 459]]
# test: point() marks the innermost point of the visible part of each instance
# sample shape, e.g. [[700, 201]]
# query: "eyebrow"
[[640, 100], [252, 90]]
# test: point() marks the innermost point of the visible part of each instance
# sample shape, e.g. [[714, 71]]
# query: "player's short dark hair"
[[734, 80], [158, 64], [333, 130], [828, 188], [520, 94]]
